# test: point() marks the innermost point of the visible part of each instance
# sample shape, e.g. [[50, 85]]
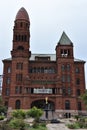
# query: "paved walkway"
[[59, 126]]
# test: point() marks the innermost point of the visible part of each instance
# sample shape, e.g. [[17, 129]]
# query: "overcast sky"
[[49, 18]]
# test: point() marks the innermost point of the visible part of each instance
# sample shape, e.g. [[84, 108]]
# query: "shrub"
[[2, 117], [19, 114], [35, 112], [3, 109], [73, 126], [17, 123]]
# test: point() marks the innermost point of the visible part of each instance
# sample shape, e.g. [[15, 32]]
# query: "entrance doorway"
[[42, 104]]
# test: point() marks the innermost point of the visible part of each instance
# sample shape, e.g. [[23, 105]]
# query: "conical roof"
[[22, 14], [64, 40]]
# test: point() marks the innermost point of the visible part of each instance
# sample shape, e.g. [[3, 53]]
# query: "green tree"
[[35, 113], [3, 108], [84, 98], [19, 114]]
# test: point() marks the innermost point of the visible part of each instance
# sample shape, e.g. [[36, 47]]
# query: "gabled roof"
[[64, 40]]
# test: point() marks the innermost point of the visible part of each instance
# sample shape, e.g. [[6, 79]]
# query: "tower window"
[[8, 80], [63, 67], [65, 52], [19, 66], [18, 77], [68, 67]]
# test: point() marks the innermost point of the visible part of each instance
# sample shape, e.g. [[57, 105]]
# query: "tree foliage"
[[19, 114], [84, 98], [3, 108], [35, 112]]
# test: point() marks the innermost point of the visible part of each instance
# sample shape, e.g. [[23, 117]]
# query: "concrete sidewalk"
[[60, 126]]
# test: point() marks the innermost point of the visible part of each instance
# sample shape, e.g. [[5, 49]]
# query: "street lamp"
[[46, 99]]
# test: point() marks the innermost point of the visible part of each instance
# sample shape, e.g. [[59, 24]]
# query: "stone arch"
[[41, 103]]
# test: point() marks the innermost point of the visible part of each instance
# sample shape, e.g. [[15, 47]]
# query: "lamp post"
[[46, 99]]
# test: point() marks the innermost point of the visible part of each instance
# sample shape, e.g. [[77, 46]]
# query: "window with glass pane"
[[9, 69], [17, 104], [19, 66], [67, 105], [19, 77]]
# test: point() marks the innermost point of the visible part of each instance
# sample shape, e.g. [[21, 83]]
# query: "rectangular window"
[[8, 80], [77, 70], [19, 77], [27, 90], [77, 81], [63, 78], [69, 91], [78, 92], [18, 89], [7, 91], [19, 66], [79, 106], [68, 78], [67, 105]]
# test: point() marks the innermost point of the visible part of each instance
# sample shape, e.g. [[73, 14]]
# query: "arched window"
[[17, 104], [67, 105]]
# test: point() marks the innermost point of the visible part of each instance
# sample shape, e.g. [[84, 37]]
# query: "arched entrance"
[[42, 104]]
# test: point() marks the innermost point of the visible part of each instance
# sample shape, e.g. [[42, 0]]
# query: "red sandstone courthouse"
[[29, 78]]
